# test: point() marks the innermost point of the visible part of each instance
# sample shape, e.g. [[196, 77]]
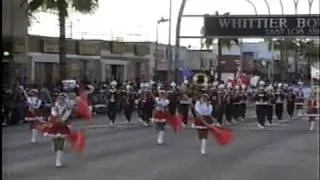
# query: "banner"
[[262, 25], [51, 45], [89, 47]]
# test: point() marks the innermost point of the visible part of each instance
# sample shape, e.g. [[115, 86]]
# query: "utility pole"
[[169, 44], [162, 20]]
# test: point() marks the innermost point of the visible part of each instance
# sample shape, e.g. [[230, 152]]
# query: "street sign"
[[262, 25]]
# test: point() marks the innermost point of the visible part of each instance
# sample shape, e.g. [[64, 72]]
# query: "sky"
[[136, 20]]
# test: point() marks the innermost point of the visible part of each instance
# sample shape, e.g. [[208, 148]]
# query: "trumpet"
[[200, 79]]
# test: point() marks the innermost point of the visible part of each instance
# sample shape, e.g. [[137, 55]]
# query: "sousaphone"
[[200, 79]]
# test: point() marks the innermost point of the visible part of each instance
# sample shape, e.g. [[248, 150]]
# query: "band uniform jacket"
[[113, 96], [213, 98], [129, 100], [291, 98], [236, 98], [243, 98], [270, 99], [261, 98], [227, 98], [173, 102], [279, 98]]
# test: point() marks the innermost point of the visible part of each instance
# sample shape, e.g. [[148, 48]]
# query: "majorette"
[[59, 129], [34, 115], [203, 109], [161, 115], [313, 110]]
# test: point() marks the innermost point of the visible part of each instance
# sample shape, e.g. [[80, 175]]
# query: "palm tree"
[[222, 42], [286, 47], [311, 53], [62, 8]]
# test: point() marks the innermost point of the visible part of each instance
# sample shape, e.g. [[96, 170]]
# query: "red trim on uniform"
[[161, 116]]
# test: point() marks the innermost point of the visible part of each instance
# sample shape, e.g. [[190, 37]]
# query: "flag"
[[82, 109], [315, 73], [78, 141], [222, 135], [187, 73], [176, 122]]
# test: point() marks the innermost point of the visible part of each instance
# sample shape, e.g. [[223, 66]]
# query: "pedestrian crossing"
[[127, 151]]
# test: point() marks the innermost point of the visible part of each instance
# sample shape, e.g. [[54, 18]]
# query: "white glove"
[[45, 134]]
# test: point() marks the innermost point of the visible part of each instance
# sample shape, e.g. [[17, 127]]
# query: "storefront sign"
[[142, 50], [51, 45], [19, 45], [89, 48], [264, 25], [118, 48]]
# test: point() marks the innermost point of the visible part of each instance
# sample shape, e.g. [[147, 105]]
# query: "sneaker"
[[146, 124], [260, 126], [242, 119], [235, 121], [111, 124], [227, 123], [268, 123]]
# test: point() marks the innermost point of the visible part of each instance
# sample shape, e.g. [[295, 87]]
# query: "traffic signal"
[[7, 49]]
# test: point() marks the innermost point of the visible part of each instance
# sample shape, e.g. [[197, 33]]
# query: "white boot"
[[160, 137], [34, 133], [311, 126], [203, 146], [59, 158]]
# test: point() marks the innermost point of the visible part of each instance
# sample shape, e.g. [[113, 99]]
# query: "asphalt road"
[[129, 152]]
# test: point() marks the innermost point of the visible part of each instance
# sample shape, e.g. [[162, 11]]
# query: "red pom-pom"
[[223, 136], [78, 141], [176, 122], [83, 110]]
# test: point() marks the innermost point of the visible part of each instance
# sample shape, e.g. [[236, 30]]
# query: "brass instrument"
[[200, 79]]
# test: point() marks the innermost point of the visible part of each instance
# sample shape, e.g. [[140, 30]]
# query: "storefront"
[[114, 70]]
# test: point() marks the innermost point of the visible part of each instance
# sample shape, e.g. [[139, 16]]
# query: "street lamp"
[[162, 20]]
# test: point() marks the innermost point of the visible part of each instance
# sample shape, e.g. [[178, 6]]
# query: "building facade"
[[14, 33], [97, 60]]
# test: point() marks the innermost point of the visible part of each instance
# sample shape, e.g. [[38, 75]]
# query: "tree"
[[62, 8], [222, 42], [299, 47], [286, 48]]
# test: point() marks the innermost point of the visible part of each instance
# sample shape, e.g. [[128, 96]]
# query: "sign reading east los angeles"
[[257, 26]]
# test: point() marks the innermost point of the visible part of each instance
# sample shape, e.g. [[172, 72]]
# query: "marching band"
[[202, 107]]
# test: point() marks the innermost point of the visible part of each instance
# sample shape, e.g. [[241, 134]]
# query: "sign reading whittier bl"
[[264, 25]]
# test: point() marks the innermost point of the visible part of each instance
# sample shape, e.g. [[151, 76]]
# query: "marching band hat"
[[173, 84], [221, 86], [262, 83], [114, 83], [205, 95], [34, 91]]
